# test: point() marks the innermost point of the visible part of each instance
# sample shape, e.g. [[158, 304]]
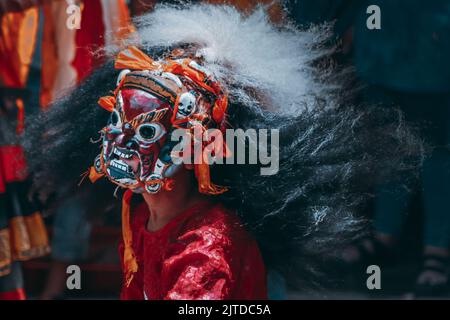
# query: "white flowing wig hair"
[[245, 52]]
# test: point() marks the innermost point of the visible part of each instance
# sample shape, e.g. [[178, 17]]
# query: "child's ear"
[[189, 166]]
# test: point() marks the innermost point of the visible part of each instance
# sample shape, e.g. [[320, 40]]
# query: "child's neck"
[[166, 205]]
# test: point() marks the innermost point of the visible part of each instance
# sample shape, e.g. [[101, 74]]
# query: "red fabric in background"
[[18, 294], [13, 165], [204, 253], [89, 38], [2, 181]]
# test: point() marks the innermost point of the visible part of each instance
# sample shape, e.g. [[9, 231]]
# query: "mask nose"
[[127, 129], [124, 139]]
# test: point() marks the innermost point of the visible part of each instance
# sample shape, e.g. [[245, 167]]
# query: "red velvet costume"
[[204, 253]]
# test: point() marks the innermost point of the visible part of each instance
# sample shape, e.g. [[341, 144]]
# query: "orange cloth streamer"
[[94, 175], [129, 258], [20, 116], [133, 58], [205, 185], [107, 103], [219, 110], [202, 169]]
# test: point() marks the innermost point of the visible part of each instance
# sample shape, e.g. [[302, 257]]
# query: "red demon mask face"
[[133, 151], [148, 104]]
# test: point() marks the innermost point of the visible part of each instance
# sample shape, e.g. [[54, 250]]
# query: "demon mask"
[[152, 99]]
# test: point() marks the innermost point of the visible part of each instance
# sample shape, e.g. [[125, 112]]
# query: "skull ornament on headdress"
[[152, 99]]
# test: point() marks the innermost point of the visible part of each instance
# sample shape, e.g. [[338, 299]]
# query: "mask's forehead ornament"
[[152, 99]]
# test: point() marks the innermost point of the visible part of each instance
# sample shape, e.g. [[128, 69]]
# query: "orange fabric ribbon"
[[135, 59], [219, 111], [107, 103], [129, 258], [20, 116], [205, 186], [94, 175], [202, 168]]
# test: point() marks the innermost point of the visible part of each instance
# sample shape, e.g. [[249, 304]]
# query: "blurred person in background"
[[23, 235], [70, 55], [62, 56], [406, 64]]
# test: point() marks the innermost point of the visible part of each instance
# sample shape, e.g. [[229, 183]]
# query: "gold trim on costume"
[[5, 252], [29, 237]]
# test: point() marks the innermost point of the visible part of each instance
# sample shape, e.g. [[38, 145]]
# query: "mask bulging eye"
[[147, 132], [114, 119], [150, 132]]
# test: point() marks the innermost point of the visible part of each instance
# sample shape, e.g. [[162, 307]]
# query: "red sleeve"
[[201, 267]]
